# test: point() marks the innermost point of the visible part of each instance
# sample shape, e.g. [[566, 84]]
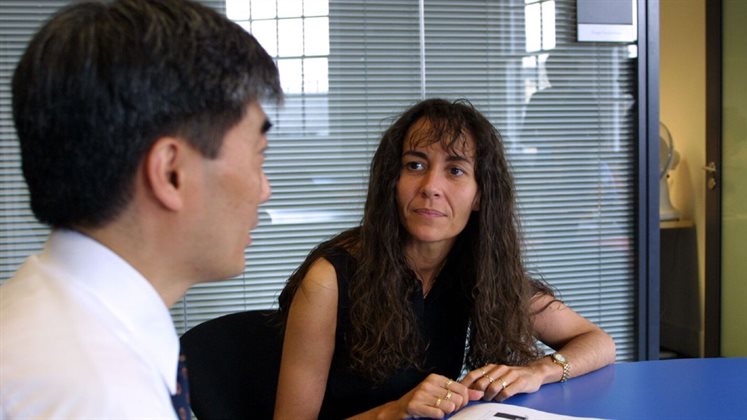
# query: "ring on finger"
[[438, 402], [449, 382], [503, 384], [490, 378], [483, 371], [447, 397]]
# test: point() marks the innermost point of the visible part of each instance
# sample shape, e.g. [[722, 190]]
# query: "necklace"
[[426, 287]]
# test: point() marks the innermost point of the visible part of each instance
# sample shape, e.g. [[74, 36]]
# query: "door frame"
[[712, 302], [648, 240]]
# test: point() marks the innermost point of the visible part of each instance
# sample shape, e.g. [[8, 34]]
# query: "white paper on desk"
[[498, 411]]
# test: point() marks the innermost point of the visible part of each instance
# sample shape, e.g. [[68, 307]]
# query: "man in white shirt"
[[142, 143]]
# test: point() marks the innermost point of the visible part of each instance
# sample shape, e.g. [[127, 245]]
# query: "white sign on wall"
[[607, 20]]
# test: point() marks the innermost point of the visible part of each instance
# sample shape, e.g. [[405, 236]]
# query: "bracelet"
[[560, 360]]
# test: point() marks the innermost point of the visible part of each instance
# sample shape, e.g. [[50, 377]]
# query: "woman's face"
[[436, 190]]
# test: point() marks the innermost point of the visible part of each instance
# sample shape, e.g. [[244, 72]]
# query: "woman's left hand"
[[501, 381]]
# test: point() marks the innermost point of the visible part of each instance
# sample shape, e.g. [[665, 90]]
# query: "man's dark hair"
[[100, 82]]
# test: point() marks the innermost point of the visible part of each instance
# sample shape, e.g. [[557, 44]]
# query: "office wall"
[[734, 198], [682, 96]]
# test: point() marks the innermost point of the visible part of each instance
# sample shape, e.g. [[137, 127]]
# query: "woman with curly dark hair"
[[381, 319]]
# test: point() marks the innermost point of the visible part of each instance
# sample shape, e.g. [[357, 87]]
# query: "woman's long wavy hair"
[[383, 333]]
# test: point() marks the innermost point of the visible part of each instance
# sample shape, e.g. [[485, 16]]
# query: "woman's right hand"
[[435, 397]]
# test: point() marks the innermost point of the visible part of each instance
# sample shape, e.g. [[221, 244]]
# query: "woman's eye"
[[413, 166], [456, 171]]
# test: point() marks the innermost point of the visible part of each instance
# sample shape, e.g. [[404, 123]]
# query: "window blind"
[[20, 234], [564, 108]]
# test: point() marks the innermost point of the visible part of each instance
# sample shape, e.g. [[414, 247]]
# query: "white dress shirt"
[[84, 335]]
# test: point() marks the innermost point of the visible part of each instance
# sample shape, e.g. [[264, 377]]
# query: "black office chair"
[[233, 363]]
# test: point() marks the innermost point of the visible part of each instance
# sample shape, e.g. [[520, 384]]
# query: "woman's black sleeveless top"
[[443, 317]]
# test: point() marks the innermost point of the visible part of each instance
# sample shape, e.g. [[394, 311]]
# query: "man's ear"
[[165, 171]]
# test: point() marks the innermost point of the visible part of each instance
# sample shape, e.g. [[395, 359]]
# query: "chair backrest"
[[233, 363]]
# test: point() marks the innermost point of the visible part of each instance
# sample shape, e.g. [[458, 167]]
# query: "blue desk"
[[662, 389]]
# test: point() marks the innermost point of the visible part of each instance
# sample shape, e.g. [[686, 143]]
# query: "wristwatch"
[[561, 361]]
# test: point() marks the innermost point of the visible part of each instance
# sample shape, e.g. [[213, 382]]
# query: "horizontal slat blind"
[[20, 234], [571, 144], [573, 157]]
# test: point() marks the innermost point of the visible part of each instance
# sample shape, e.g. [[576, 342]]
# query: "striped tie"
[[180, 400]]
